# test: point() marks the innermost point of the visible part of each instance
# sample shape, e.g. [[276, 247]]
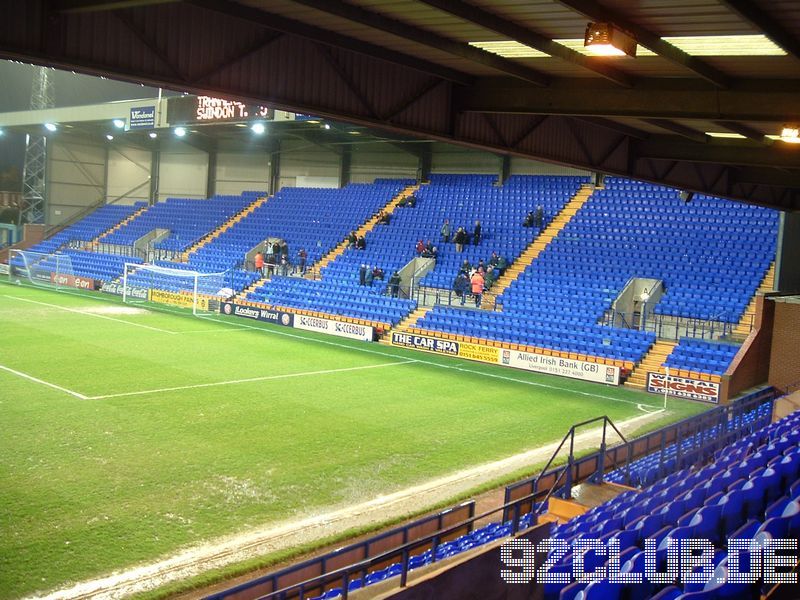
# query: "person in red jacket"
[[259, 261], [477, 287]]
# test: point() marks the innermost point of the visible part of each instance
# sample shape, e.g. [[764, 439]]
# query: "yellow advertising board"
[[178, 299]]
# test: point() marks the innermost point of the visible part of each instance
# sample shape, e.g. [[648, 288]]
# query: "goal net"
[[42, 269], [184, 288]]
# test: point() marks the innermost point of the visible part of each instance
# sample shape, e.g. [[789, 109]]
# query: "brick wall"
[[784, 366], [750, 367]]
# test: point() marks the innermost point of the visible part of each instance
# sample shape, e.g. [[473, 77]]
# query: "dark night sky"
[[69, 89]]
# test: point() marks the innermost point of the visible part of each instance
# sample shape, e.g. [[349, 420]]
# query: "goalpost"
[[41, 269], [184, 288]]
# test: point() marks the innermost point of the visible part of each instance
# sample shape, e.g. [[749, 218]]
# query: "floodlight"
[[603, 39]]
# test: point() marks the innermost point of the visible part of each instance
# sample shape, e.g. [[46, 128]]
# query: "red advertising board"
[[681, 387], [82, 283]]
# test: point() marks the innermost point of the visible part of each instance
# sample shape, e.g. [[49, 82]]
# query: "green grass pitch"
[[121, 442]]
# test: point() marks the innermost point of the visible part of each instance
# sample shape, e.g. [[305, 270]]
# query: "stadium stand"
[[186, 219], [701, 356], [88, 228], [711, 256], [315, 219]]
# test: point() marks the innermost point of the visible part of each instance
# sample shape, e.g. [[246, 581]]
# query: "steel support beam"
[[757, 100], [427, 38], [750, 12], [310, 32], [530, 38], [598, 12]]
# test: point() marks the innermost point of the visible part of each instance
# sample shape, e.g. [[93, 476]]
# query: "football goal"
[[42, 269], [184, 288]]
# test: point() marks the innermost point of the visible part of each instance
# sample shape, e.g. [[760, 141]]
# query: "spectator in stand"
[[476, 234], [368, 277], [528, 222], [362, 274], [428, 248], [394, 284], [493, 259], [377, 273], [491, 277], [269, 257], [465, 266], [352, 239], [302, 256], [412, 201], [384, 217], [538, 217], [502, 263], [477, 282], [284, 251], [276, 252], [461, 286], [259, 262], [481, 266], [460, 239], [361, 243], [446, 231], [420, 247], [284, 266]]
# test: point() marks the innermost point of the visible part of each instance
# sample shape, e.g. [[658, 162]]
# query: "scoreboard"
[[207, 109]]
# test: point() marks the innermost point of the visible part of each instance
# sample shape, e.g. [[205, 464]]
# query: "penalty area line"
[[43, 382], [247, 380], [431, 363]]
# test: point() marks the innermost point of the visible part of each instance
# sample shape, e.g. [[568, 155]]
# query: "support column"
[[211, 176], [155, 167], [505, 168], [344, 166], [274, 168], [424, 165]]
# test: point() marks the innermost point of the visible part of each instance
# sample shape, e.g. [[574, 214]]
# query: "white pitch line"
[[89, 314], [431, 363], [248, 380], [43, 382]]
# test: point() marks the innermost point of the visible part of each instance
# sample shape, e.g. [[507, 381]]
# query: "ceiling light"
[[693, 45], [258, 128], [725, 134], [180, 131], [314, 121], [791, 134], [354, 132], [240, 124], [50, 126], [119, 123], [109, 137], [153, 135], [326, 126], [603, 39]]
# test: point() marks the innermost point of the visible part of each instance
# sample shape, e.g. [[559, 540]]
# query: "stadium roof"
[[711, 81]]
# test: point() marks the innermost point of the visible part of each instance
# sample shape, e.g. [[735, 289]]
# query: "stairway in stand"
[[409, 321], [651, 362], [538, 245], [369, 225], [93, 244], [312, 271], [246, 211], [742, 329]]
